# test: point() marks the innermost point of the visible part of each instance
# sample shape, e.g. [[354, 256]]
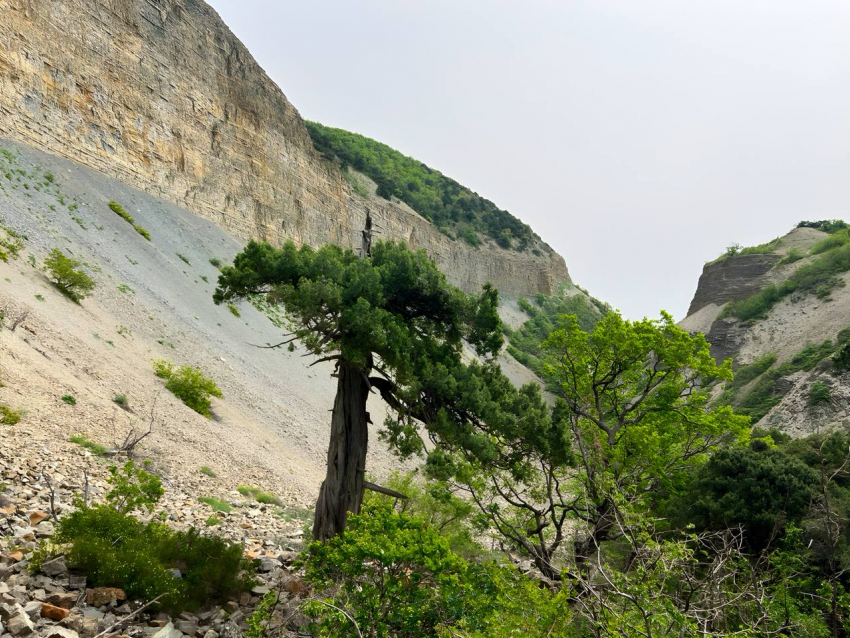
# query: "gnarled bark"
[[342, 490]]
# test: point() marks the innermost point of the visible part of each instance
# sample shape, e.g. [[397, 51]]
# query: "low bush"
[[791, 256], [836, 240], [91, 446], [259, 495], [207, 471], [184, 259], [8, 416], [216, 262], [394, 575], [114, 549], [825, 225], [190, 385], [118, 209], [121, 400], [216, 504], [68, 277], [819, 392], [233, 310], [70, 400]]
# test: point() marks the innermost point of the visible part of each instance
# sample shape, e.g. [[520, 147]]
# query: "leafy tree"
[[68, 276], [390, 323], [758, 488]]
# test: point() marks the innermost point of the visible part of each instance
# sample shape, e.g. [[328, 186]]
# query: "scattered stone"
[[33, 609], [212, 633], [60, 632], [64, 600], [20, 624], [55, 567], [168, 632], [77, 582], [188, 627], [295, 586], [37, 517], [17, 556], [53, 612], [100, 596]]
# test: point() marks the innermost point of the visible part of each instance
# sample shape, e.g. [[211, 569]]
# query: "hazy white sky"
[[638, 138]]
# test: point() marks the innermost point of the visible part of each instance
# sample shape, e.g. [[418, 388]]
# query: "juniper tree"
[[392, 325]]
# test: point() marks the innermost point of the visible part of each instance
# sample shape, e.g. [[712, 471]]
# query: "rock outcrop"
[[731, 279], [161, 95]]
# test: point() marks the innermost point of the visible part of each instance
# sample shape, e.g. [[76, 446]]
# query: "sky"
[[638, 139]]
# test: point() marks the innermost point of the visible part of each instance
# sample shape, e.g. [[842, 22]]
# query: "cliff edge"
[[162, 96]]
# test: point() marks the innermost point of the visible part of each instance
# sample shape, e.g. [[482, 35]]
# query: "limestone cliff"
[[161, 95]]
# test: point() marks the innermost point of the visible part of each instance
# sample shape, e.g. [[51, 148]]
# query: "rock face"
[[161, 95], [731, 279]]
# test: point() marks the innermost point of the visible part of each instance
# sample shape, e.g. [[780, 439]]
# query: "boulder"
[[64, 600], [168, 631], [60, 632], [100, 596], [55, 567], [20, 624], [53, 612]]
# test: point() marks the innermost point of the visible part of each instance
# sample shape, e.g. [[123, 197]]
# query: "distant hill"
[[781, 311]]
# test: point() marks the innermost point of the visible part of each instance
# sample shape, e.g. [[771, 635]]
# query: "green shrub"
[[190, 385], [216, 504], [233, 310], [127, 290], [259, 495], [836, 240], [127, 217], [95, 448], [216, 262], [208, 471], [213, 521], [67, 276], [841, 359], [121, 399], [184, 259], [395, 575], [113, 549], [8, 416], [819, 392], [70, 400], [793, 255], [825, 225]]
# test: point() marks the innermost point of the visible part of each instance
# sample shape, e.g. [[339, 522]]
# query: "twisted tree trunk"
[[342, 489]]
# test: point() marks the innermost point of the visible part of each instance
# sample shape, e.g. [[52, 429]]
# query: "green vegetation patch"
[[217, 504], [259, 495], [819, 392], [207, 471], [67, 276], [452, 208], [190, 385], [544, 317], [69, 399], [91, 446], [8, 416], [118, 209]]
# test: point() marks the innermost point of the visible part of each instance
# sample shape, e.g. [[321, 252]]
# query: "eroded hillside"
[[780, 311]]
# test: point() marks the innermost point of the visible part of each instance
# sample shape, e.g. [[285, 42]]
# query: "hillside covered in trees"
[[456, 210]]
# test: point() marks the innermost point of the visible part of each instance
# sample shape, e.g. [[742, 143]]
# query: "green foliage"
[[127, 217], [69, 399], [121, 399], [184, 259], [95, 448], [393, 575], [819, 392], [190, 385], [133, 488], [217, 504], [821, 275], [825, 225], [8, 416], [762, 396], [212, 521], [65, 273], [259, 495], [207, 471], [216, 262], [759, 488], [11, 243], [113, 549], [233, 310], [438, 505], [793, 255], [546, 316], [439, 199], [836, 240]]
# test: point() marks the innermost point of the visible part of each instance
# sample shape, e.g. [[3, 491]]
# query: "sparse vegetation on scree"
[[190, 385], [118, 209]]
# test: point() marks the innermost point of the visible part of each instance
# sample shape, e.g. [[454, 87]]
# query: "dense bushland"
[[454, 209]]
